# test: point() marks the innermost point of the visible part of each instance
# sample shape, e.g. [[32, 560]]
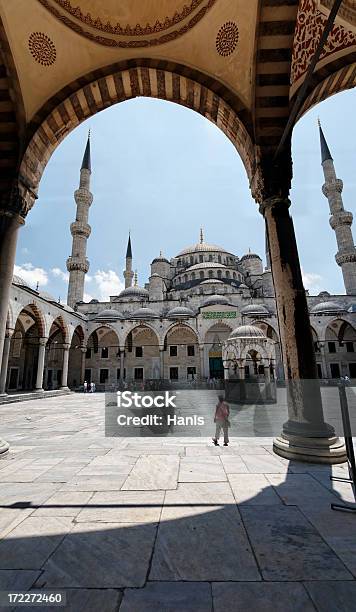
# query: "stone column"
[[5, 361], [40, 363], [82, 365], [201, 360], [161, 362], [122, 364], [64, 384], [305, 435]]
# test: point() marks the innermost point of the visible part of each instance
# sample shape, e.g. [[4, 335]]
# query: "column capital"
[[274, 202], [66, 346], [17, 201], [42, 341], [9, 333], [83, 349]]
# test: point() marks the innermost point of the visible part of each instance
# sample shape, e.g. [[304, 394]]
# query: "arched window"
[[17, 344], [227, 274], [201, 258], [191, 260], [234, 275], [185, 278], [201, 275], [193, 275], [219, 258], [210, 274], [219, 273]]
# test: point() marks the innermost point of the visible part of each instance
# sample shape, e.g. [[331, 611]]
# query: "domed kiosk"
[[249, 366]]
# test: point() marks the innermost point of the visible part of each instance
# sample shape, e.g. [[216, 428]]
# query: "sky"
[[162, 171]]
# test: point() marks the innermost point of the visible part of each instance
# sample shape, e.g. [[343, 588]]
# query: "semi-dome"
[[216, 299], [180, 312], [134, 292], [325, 308], [205, 264], [255, 310], [17, 280], [108, 315], [144, 313], [247, 331]]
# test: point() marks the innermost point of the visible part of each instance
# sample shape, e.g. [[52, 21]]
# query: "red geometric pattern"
[[309, 27]]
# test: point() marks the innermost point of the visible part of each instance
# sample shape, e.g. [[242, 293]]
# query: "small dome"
[[325, 294], [180, 312], [250, 256], [216, 299], [94, 301], [47, 296], [160, 259], [212, 281], [144, 313], [108, 315], [255, 310], [134, 292], [17, 280], [247, 331], [325, 308]]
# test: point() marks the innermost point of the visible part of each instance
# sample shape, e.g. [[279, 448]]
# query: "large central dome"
[[202, 246]]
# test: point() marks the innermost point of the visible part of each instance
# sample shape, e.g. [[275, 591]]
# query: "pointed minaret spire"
[[201, 236], [86, 163], [325, 151], [340, 219], [77, 263], [128, 274]]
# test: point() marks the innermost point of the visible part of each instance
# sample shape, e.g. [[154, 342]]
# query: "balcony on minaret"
[[78, 263]]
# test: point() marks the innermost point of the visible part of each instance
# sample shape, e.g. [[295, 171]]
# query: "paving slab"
[[253, 489], [333, 596], [264, 464], [88, 600], [123, 507], [202, 544], [95, 483], [153, 472], [32, 542], [101, 555], [288, 547], [261, 597], [233, 464], [204, 469], [168, 597], [300, 489], [64, 504]]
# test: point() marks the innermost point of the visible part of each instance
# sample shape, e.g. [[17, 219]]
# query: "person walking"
[[85, 387], [221, 420]]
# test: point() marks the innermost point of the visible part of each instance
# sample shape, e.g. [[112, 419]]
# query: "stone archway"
[[182, 353], [102, 358], [142, 355], [77, 353]]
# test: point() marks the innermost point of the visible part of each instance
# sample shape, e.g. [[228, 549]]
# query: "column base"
[[312, 450], [4, 447]]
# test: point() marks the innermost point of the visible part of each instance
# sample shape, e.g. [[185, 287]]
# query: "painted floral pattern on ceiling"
[[309, 27], [125, 35]]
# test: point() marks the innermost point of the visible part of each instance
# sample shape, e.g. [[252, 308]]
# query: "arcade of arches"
[[243, 65]]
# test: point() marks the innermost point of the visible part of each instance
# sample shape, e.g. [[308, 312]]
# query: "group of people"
[[89, 387]]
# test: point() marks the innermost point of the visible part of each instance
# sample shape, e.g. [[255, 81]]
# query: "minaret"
[[340, 219], [128, 274], [77, 263]]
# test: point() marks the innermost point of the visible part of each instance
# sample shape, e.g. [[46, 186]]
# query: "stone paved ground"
[[168, 524]]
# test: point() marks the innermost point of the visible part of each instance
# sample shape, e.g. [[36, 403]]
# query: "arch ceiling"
[[239, 63]]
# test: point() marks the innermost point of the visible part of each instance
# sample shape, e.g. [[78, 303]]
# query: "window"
[[139, 351], [185, 278], [210, 274], [138, 373], [316, 347], [320, 372], [191, 260], [173, 373], [200, 258], [210, 257], [191, 350], [105, 353], [118, 371], [191, 373], [193, 276], [88, 354], [173, 351], [332, 347], [335, 370], [219, 273], [104, 375], [201, 274], [219, 258], [227, 274], [350, 347]]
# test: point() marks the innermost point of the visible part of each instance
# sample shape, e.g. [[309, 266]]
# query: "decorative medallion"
[[309, 27], [129, 23], [227, 38], [42, 48]]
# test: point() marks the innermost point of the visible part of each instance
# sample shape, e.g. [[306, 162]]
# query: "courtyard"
[[147, 524]]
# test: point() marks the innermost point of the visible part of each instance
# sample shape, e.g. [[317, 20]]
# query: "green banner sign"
[[219, 315]]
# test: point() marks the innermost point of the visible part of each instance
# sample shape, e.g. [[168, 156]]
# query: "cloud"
[[60, 274], [32, 275], [107, 283], [312, 282]]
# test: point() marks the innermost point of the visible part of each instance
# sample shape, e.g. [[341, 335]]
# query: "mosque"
[[180, 326]]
